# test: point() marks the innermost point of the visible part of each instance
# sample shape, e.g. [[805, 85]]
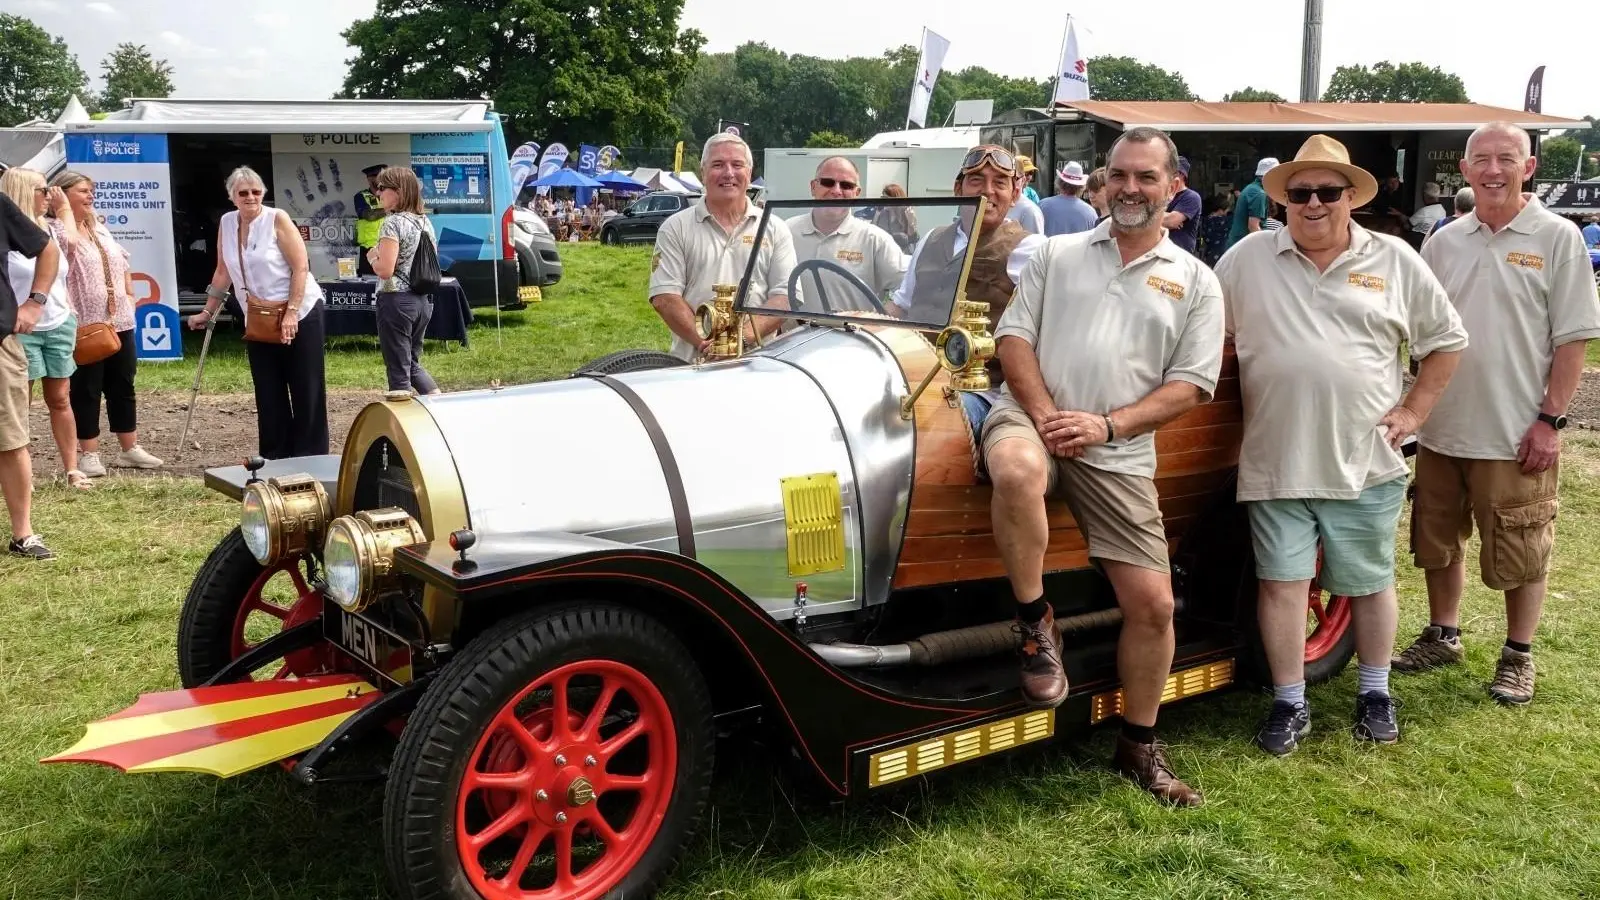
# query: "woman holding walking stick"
[[260, 251]]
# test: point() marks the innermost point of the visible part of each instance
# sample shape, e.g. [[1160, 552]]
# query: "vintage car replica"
[[794, 529]]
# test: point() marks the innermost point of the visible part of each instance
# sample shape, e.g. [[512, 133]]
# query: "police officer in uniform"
[[369, 218]]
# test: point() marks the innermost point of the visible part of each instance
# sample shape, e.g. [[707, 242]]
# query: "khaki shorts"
[[13, 394], [1515, 515], [1119, 515]]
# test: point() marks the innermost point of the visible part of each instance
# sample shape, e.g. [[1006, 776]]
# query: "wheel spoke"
[[299, 580], [271, 609], [508, 820], [497, 781], [530, 845], [603, 830], [558, 700], [564, 880], [621, 739], [597, 714], [531, 746], [625, 783], [1319, 611]]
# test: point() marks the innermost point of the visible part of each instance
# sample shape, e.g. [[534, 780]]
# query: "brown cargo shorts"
[[1119, 515], [13, 394], [1515, 515]]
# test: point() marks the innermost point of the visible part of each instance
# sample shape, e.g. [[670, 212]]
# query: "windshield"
[[853, 260]]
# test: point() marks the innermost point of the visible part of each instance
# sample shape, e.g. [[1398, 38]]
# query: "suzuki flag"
[[1072, 74], [929, 63]]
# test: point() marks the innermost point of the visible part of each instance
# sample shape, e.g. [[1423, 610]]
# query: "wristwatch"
[[1557, 422], [39, 298]]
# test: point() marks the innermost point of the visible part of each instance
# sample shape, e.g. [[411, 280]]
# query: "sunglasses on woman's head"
[[1300, 196]]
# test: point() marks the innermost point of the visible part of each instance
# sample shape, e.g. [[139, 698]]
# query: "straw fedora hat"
[[1322, 152]]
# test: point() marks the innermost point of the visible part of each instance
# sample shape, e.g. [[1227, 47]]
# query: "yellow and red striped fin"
[[222, 730]]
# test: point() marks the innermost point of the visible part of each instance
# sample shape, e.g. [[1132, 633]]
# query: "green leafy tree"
[[130, 71], [1588, 137], [825, 139], [1251, 95], [1126, 78], [38, 75], [559, 70], [1411, 82], [1558, 159]]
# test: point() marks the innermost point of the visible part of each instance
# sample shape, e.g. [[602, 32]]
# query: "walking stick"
[[205, 345]]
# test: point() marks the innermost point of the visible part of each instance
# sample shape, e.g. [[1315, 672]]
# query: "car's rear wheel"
[[566, 753], [234, 604], [624, 361]]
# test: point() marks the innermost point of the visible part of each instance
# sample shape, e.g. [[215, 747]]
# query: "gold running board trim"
[[888, 766], [1187, 683]]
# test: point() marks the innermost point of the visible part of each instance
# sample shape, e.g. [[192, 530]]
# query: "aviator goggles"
[[997, 157]]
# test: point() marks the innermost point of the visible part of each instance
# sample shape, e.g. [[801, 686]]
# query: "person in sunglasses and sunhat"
[[1004, 247], [1319, 311]]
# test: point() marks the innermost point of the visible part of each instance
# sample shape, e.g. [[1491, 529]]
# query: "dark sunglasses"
[[1302, 196], [843, 185], [1002, 160], [248, 192]]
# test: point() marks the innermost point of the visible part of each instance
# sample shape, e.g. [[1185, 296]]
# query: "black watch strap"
[[1557, 422], [38, 298]]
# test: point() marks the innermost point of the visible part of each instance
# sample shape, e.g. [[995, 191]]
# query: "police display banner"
[[133, 198], [453, 182], [316, 177]]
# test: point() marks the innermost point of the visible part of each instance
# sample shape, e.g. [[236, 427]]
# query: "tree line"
[[633, 78]]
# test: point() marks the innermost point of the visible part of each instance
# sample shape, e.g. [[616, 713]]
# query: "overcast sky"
[[292, 48]]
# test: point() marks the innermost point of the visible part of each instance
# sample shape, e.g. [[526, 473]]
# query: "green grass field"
[[598, 306], [1476, 801]]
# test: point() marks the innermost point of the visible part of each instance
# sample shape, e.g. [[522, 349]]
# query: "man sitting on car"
[[834, 234], [1112, 334], [1004, 247], [710, 243]]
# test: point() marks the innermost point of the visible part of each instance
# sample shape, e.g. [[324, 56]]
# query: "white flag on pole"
[[1072, 73], [928, 65]]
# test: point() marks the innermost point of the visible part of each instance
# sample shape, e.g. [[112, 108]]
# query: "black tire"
[[609, 236], [205, 626], [1325, 667], [441, 738], [631, 361]]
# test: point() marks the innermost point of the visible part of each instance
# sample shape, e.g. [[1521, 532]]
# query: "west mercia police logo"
[[1367, 282], [1171, 289], [1525, 260]]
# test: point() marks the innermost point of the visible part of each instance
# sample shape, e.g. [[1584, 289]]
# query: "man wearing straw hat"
[[1319, 311]]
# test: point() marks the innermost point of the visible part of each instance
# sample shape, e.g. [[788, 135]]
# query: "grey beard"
[[1133, 219]]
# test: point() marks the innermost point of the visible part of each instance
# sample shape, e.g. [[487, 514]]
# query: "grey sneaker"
[[1375, 718], [90, 465], [137, 458], [1513, 678], [1429, 651], [31, 547]]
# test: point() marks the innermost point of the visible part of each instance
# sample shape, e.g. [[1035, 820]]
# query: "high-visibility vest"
[[367, 229]]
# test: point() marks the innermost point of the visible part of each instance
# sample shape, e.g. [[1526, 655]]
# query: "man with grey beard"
[[1111, 334]]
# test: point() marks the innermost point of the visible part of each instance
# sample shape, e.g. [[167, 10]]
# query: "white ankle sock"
[[1371, 679], [1290, 693]]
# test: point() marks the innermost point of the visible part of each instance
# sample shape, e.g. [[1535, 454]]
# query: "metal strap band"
[[669, 463]]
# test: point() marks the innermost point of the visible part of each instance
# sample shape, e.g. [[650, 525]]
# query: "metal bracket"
[[392, 705], [276, 647]]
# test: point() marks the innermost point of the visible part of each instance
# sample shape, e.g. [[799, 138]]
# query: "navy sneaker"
[[1375, 718], [31, 547], [1287, 724]]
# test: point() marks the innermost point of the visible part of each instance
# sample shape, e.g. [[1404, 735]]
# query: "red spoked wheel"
[[277, 600], [563, 754], [1330, 637]]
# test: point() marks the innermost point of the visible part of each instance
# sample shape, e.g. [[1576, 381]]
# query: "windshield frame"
[[970, 209]]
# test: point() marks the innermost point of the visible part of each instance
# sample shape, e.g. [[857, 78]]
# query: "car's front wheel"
[[609, 236], [566, 753]]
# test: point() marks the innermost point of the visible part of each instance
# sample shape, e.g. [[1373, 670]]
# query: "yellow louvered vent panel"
[[813, 519]]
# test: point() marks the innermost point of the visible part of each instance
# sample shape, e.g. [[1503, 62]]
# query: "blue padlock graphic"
[[157, 326]]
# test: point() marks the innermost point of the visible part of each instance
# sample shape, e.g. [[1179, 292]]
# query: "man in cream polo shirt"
[[710, 243], [833, 234], [1319, 311], [1521, 279], [1112, 333]]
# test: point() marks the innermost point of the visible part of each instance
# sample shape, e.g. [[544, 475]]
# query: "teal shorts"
[[1356, 537], [50, 352]]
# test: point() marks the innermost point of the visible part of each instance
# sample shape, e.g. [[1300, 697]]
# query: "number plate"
[[369, 643]]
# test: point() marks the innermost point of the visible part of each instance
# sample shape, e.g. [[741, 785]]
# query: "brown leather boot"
[[1044, 681], [1146, 765]]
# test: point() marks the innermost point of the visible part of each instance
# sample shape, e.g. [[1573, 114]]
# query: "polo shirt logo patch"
[[1525, 260], [1367, 282], [850, 256], [1173, 290]]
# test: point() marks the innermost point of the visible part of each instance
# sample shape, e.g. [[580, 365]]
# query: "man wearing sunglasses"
[[1319, 311], [1004, 247], [832, 233], [1112, 333]]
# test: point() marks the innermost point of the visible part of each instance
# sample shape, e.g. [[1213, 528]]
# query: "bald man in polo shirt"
[[1521, 278], [1319, 311], [1112, 333], [710, 243], [835, 235]]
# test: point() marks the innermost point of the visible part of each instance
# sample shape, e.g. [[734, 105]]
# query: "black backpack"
[[424, 275]]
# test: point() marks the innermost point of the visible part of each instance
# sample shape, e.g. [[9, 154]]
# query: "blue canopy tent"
[[620, 182], [567, 178]]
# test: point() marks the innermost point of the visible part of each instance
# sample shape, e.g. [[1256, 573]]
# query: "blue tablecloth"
[[352, 309]]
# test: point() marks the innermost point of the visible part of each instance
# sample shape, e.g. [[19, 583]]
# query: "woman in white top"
[[261, 254], [49, 345]]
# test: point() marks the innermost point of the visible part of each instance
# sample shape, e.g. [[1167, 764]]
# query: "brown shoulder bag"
[[263, 319], [99, 340]]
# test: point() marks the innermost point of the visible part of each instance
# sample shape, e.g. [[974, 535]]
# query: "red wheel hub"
[[1328, 618], [305, 607], [568, 785]]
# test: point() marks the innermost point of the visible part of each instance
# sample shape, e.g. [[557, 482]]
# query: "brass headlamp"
[[964, 349], [283, 516], [359, 555], [719, 324]]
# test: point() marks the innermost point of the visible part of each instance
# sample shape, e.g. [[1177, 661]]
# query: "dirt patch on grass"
[[222, 433]]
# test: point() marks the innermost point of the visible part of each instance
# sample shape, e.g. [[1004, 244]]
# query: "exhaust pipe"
[[950, 646]]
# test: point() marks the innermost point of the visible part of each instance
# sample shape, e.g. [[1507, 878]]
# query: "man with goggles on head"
[[1004, 247], [833, 233]]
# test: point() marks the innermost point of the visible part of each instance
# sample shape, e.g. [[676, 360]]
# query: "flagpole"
[[921, 46], [1054, 91]]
